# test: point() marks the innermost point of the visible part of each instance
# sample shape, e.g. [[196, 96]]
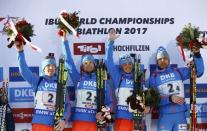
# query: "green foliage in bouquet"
[[22, 26], [152, 97], [72, 19], [188, 34]]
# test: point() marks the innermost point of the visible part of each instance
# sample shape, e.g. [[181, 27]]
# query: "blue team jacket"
[[85, 90], [169, 81], [45, 94], [123, 83]]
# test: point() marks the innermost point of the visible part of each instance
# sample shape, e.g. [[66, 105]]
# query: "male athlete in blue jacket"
[[45, 88], [169, 82], [84, 115], [123, 78]]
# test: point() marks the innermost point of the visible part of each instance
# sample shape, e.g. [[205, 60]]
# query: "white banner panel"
[[143, 25]]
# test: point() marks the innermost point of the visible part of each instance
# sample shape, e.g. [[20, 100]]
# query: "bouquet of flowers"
[[68, 22], [152, 97], [23, 28], [188, 37]]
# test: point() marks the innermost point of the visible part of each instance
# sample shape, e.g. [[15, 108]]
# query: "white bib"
[[172, 88], [45, 100], [123, 94], [86, 98]]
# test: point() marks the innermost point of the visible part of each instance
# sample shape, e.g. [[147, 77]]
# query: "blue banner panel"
[[201, 109], [201, 90], [14, 74], [21, 94]]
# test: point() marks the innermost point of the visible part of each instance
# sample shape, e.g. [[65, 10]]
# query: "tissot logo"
[[22, 115], [89, 48]]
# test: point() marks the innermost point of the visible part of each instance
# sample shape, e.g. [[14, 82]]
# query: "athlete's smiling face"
[[88, 66], [127, 67], [49, 70], [163, 62]]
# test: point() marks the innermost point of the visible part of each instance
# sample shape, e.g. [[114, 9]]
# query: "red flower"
[[21, 23], [65, 14], [60, 32]]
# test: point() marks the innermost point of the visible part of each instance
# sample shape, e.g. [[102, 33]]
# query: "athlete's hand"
[[19, 46], [62, 35], [60, 126], [146, 109], [177, 99], [112, 35], [195, 49]]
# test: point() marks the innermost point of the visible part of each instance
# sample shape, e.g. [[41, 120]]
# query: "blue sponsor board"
[[201, 109], [21, 94], [14, 74], [201, 90], [1, 74]]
